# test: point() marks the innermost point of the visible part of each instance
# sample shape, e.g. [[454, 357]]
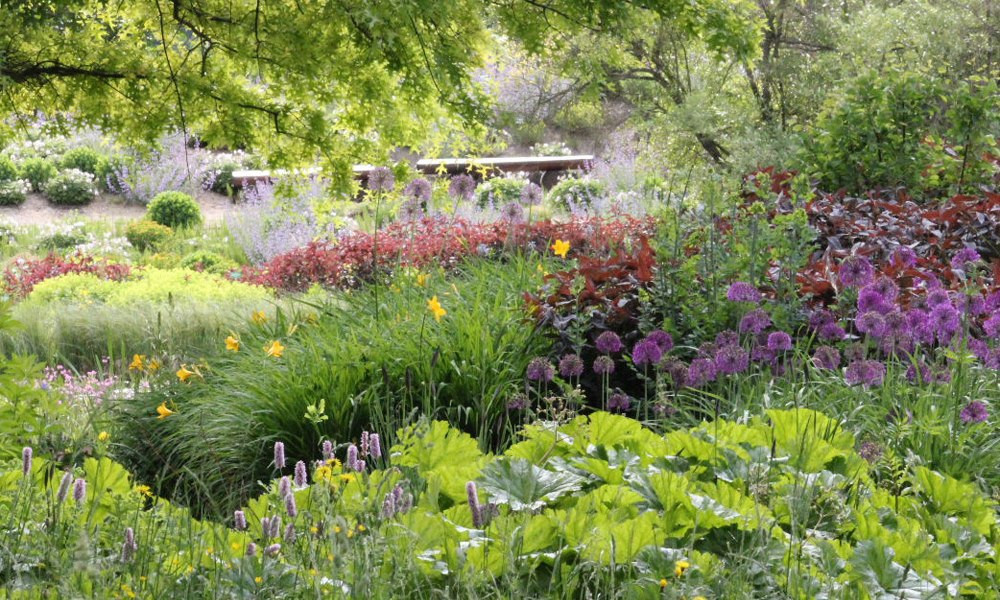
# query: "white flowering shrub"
[[71, 187]]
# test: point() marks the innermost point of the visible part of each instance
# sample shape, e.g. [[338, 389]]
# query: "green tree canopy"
[[299, 80]]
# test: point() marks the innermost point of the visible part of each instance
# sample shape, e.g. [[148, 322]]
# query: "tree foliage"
[[339, 81]]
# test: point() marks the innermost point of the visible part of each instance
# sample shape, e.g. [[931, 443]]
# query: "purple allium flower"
[[419, 189], [708, 349], [755, 321], [865, 372], [381, 179], [462, 187], [974, 412], [327, 449], [895, 324], [676, 370], [646, 352], [871, 300], [662, 339], [604, 365], [743, 292], [945, 319], [904, 256], [778, 341], [517, 402], [531, 195], [26, 455], [240, 520], [79, 490], [352, 457], [128, 545], [512, 212], [272, 550], [540, 369], [701, 371], [727, 337], [992, 325], [411, 210], [64, 484], [856, 271], [820, 317], [284, 487], [290, 534], [472, 495], [886, 287], [300, 474], [608, 342], [619, 401], [571, 365], [761, 353], [870, 451], [826, 357], [832, 332], [965, 255], [871, 323], [731, 360], [937, 296], [375, 446], [279, 455], [290, 506], [251, 549]]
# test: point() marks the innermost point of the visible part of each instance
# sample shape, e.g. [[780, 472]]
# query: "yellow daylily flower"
[[184, 373], [681, 566], [259, 317], [274, 349], [435, 307], [663, 583], [560, 248], [103, 436], [153, 365], [138, 361], [232, 344], [163, 411], [422, 279]]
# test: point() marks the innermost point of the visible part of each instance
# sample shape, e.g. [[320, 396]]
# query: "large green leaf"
[[522, 485]]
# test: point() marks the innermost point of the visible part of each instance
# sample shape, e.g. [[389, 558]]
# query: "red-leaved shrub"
[[23, 274]]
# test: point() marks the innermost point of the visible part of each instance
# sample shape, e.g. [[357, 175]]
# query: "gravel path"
[[36, 210]]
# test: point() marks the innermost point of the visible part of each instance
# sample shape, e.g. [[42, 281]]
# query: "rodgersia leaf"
[[522, 485]]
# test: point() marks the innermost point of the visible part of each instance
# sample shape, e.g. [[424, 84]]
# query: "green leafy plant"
[[211, 262], [8, 171], [147, 235], [13, 193], [498, 191], [87, 160], [174, 209], [38, 171], [71, 187], [577, 192]]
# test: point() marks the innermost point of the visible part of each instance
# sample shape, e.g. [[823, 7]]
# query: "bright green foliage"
[[147, 235], [297, 80], [368, 368], [71, 187], [38, 171], [210, 262], [174, 209], [8, 171], [498, 191], [150, 285], [577, 192], [87, 160]]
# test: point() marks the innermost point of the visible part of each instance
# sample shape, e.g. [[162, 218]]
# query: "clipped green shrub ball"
[[87, 160], [37, 171], [499, 192], [210, 262], [147, 235], [174, 209]]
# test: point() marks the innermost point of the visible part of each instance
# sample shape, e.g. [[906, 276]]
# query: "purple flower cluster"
[[608, 343], [743, 292], [396, 502], [868, 373], [540, 369], [856, 272], [974, 412]]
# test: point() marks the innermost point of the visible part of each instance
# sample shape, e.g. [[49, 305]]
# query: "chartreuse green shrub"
[[37, 171], [174, 209], [780, 506], [147, 235], [211, 262], [148, 285], [360, 365]]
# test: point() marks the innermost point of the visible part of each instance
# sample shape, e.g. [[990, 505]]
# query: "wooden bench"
[[541, 169]]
